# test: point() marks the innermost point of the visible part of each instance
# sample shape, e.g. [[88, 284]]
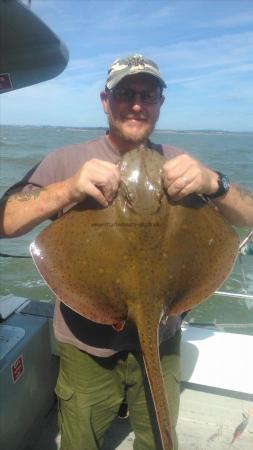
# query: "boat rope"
[[7, 255]]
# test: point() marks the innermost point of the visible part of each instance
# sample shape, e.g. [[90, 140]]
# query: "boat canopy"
[[30, 51]]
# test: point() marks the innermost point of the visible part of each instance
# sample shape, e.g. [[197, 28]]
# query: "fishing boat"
[[216, 410]]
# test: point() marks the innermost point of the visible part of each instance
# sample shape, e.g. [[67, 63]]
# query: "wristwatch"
[[223, 186]]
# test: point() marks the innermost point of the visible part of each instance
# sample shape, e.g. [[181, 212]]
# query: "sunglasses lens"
[[150, 96], [122, 94]]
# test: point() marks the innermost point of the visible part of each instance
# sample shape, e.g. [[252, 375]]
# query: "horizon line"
[[171, 130]]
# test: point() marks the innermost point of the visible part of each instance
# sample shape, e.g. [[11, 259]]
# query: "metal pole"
[[232, 294]]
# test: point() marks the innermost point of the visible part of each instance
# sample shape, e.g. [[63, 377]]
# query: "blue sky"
[[204, 49]]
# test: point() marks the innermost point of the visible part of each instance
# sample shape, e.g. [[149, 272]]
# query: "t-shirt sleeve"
[[44, 173]]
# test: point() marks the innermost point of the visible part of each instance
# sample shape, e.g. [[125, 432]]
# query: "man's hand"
[[184, 175], [97, 178], [21, 212]]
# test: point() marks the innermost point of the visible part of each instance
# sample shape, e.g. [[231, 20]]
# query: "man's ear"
[[104, 99], [162, 99]]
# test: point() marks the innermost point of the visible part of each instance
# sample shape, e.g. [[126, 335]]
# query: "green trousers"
[[91, 389]]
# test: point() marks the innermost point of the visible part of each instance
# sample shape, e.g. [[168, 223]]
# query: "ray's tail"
[[148, 335]]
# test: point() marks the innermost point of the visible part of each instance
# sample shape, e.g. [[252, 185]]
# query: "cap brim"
[[110, 84]]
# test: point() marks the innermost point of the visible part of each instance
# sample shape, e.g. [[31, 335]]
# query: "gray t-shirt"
[[69, 327]]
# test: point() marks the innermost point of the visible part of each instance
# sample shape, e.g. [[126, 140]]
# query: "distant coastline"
[[158, 130]]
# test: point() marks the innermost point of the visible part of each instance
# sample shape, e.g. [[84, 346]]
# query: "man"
[[99, 365]]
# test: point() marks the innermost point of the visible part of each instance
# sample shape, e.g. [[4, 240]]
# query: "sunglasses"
[[127, 95]]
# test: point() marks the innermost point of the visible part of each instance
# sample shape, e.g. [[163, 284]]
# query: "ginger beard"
[[132, 130]]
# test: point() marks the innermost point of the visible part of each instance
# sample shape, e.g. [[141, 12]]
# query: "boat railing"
[[234, 295]]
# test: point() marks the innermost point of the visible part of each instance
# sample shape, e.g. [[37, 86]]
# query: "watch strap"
[[223, 186]]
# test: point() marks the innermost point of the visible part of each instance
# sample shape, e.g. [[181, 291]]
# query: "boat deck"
[[207, 421], [209, 413]]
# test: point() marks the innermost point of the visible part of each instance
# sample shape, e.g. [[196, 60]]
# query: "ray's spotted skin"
[[140, 259]]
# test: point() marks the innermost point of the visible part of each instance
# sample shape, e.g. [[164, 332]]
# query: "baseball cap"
[[132, 65]]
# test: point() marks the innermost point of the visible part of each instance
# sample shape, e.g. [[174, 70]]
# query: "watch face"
[[225, 182], [224, 185]]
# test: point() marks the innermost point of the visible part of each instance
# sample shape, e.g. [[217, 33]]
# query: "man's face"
[[133, 120]]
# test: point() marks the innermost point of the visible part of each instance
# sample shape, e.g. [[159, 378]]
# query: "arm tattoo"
[[23, 196]]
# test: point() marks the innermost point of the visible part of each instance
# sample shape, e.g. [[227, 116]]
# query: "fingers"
[[179, 188], [97, 178], [92, 191], [104, 176], [183, 175]]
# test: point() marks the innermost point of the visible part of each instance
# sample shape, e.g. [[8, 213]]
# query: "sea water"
[[230, 153]]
